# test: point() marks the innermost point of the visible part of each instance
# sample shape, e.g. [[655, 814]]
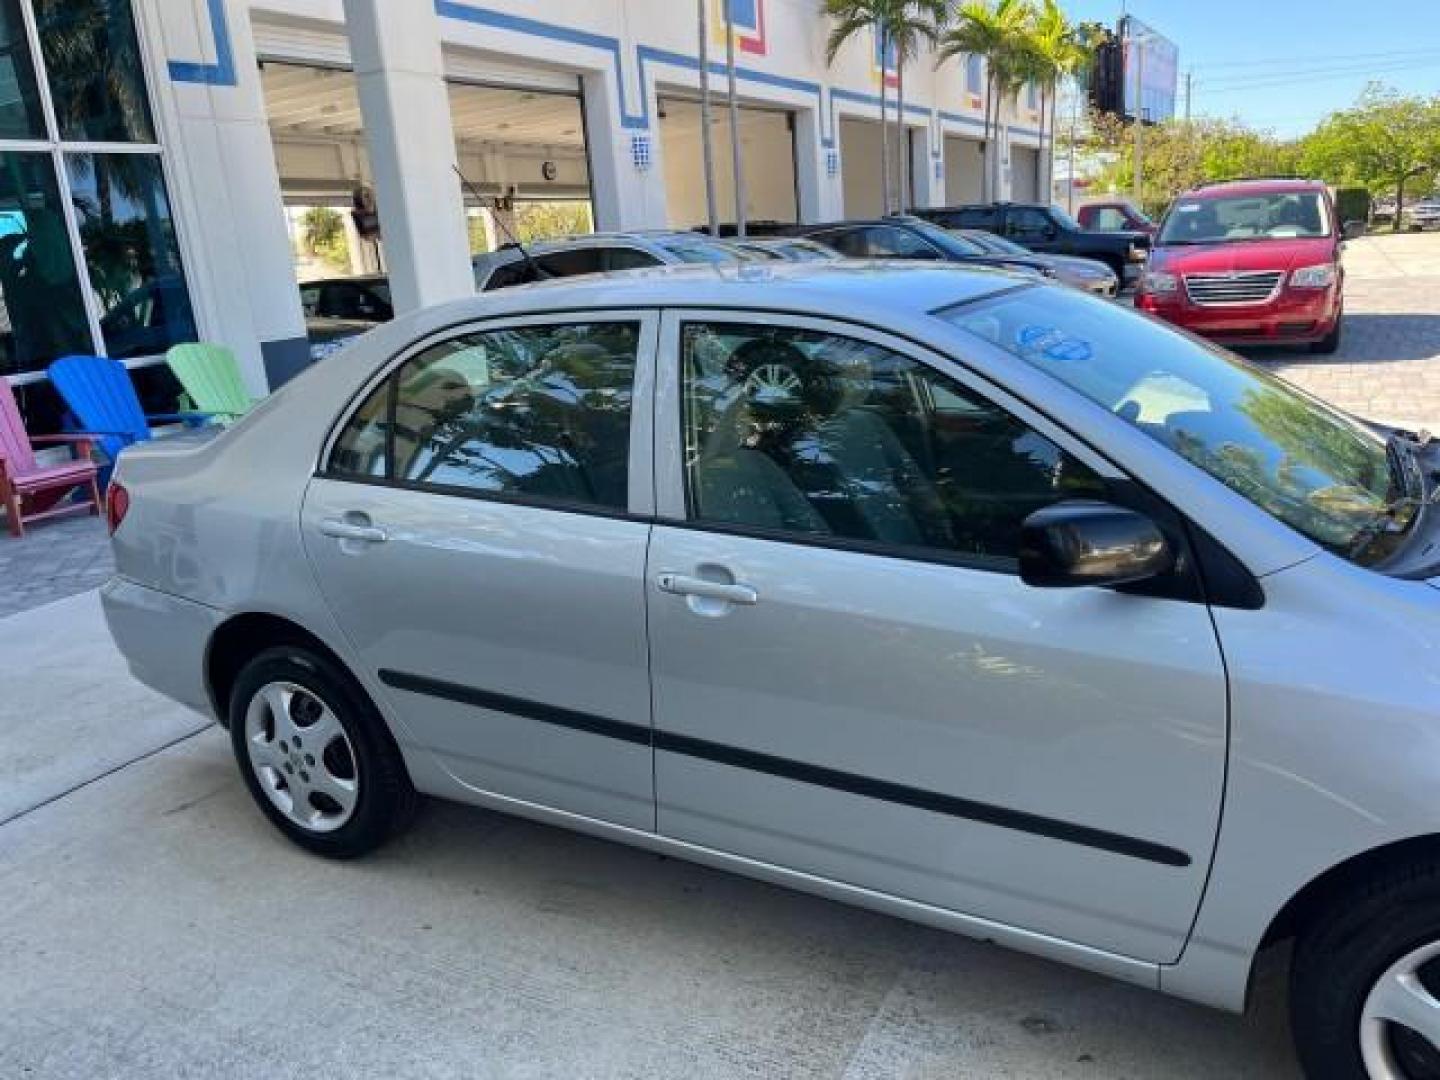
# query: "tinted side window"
[[977, 217], [519, 272], [570, 263], [1027, 223], [812, 434], [848, 242], [542, 412], [623, 258], [890, 242]]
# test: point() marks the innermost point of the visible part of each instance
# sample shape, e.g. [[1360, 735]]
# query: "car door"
[[850, 678], [479, 529]]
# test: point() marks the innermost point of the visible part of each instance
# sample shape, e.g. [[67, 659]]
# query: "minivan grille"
[[1249, 287]]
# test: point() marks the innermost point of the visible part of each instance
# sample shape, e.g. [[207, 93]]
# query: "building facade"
[[156, 155]]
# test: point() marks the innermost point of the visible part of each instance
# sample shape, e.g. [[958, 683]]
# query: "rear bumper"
[[1293, 316], [163, 639]]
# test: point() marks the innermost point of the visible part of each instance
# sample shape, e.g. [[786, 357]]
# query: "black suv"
[[1049, 230]]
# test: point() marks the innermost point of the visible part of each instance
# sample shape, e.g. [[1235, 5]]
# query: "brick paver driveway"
[[1388, 366]]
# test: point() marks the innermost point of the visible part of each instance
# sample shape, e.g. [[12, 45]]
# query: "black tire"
[[385, 798], [1331, 341], [1340, 956]]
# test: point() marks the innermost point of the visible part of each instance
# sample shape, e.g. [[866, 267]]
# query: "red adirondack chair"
[[30, 491]]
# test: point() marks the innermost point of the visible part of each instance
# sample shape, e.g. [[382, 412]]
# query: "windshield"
[[1283, 215], [1065, 220], [952, 242], [998, 244], [1322, 474]]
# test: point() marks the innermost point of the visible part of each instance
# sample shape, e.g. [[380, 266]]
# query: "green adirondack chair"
[[211, 379]]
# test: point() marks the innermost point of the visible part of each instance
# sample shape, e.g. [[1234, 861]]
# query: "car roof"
[[870, 290], [1258, 186]]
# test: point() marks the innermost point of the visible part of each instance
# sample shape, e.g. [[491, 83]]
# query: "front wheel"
[[1330, 342], [1365, 985], [316, 754]]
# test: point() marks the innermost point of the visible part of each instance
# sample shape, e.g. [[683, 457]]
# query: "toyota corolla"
[[947, 592]]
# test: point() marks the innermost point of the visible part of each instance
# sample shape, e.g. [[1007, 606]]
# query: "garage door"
[[767, 142], [860, 148], [964, 170], [1025, 174]]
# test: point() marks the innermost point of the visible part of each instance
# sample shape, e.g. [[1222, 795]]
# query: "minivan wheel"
[[1365, 984], [316, 754], [1330, 342]]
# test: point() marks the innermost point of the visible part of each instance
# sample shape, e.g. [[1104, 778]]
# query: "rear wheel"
[[1365, 986], [316, 754]]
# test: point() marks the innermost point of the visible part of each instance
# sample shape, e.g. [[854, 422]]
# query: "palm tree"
[[996, 33], [852, 18], [1055, 49], [910, 23]]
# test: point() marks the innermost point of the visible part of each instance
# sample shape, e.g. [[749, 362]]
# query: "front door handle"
[[684, 585], [359, 530]]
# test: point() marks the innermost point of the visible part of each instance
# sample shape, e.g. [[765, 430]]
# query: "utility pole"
[[707, 136], [1074, 134], [737, 161], [1138, 44]]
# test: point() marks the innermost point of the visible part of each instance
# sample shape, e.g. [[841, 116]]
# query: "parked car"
[[1114, 215], [1050, 231], [361, 299], [1251, 262], [598, 253], [909, 237], [1425, 214], [1087, 274], [950, 593]]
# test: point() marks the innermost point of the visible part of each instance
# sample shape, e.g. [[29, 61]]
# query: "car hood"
[[1232, 256], [1078, 264]]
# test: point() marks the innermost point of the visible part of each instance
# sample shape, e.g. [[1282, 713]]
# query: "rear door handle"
[[684, 585], [353, 530]]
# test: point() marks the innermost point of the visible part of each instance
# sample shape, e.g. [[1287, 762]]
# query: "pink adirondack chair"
[[30, 491]]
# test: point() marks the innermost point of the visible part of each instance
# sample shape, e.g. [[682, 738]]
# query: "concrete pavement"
[[154, 924]]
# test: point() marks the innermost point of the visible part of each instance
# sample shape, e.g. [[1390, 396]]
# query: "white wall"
[[964, 170], [1024, 174], [769, 163]]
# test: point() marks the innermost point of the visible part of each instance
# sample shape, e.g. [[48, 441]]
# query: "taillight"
[[117, 505]]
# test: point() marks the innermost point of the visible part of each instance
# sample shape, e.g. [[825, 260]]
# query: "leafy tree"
[[1384, 142], [323, 234], [1000, 34]]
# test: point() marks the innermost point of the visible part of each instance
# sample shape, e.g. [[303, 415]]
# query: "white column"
[[927, 167], [626, 195], [399, 73], [225, 187], [821, 196]]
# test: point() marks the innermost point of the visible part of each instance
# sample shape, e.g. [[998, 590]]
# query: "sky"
[[1284, 64]]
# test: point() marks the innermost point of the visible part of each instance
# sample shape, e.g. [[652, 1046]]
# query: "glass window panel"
[[799, 432], [131, 252], [20, 114], [42, 310], [537, 412], [92, 59]]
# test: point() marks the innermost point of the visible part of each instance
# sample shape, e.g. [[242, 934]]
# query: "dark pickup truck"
[[1049, 230]]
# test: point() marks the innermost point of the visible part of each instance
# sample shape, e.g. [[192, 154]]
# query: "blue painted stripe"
[[222, 71]]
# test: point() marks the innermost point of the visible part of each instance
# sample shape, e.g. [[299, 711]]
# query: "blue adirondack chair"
[[98, 391]]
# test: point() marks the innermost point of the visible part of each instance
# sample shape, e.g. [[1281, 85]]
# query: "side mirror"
[[1079, 543], [1353, 230]]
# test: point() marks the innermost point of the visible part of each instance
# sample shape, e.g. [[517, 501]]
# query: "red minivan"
[[1250, 262]]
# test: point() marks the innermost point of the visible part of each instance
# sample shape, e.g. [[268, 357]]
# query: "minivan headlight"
[[1313, 277], [1154, 281]]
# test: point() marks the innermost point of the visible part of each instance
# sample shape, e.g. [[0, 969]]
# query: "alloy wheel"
[[1400, 1022], [302, 756]]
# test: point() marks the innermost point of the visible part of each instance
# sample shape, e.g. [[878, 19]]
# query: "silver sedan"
[[947, 592]]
